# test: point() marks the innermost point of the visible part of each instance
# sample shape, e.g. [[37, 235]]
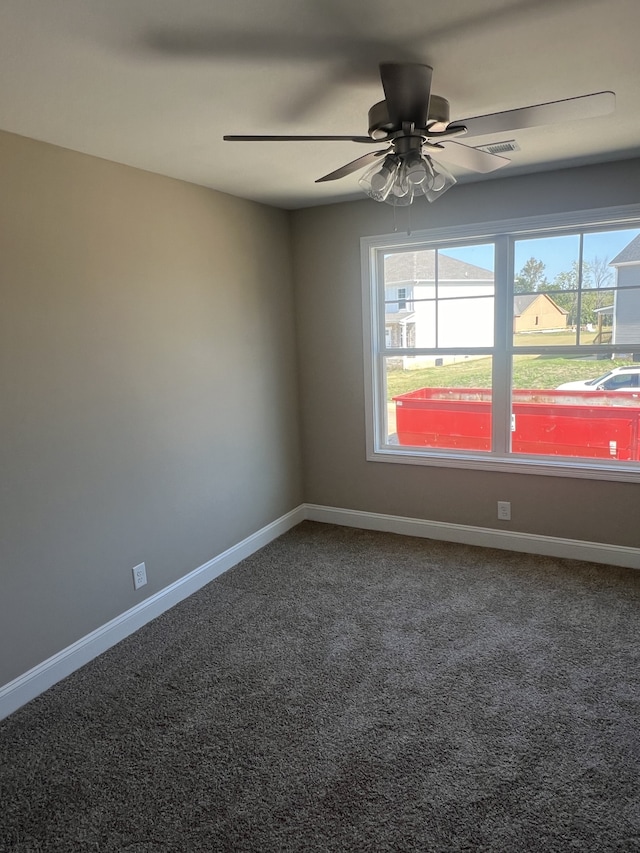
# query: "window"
[[512, 346]]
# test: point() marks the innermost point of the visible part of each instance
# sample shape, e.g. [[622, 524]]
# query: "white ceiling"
[[155, 83]]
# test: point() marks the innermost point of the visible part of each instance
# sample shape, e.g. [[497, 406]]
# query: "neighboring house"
[[537, 312], [411, 297], [626, 304]]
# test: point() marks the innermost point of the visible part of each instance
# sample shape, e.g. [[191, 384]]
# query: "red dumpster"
[[598, 424]]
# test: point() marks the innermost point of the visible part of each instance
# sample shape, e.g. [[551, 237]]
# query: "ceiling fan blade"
[[469, 158], [353, 166], [407, 88], [584, 106], [230, 138], [447, 132]]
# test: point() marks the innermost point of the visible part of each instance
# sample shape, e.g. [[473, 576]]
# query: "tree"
[[596, 275], [567, 280], [531, 277], [601, 276]]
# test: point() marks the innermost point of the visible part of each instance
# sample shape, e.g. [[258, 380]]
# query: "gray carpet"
[[343, 690]]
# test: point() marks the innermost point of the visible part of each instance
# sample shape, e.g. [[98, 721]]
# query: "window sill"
[[541, 465]]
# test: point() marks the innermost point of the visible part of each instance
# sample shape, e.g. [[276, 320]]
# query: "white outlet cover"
[[504, 510], [139, 575]]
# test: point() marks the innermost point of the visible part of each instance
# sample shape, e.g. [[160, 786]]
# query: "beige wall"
[[328, 293], [148, 387]]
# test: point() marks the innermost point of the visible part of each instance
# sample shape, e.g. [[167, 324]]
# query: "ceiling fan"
[[416, 128]]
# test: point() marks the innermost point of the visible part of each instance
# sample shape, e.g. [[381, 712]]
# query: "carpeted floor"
[[344, 690]]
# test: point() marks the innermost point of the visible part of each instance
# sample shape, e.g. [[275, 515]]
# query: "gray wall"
[[148, 387], [328, 293]]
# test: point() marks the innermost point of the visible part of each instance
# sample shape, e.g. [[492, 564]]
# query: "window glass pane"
[[400, 327], [438, 402], [409, 276], [576, 407], [545, 291], [596, 316], [606, 254], [540, 319], [465, 322], [439, 298], [610, 299]]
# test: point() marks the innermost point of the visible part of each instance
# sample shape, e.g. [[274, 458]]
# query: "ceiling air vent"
[[499, 147]]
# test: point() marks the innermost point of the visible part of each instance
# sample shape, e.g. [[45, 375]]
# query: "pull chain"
[[395, 219]]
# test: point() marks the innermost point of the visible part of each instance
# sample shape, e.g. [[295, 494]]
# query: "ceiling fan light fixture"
[[378, 181], [403, 177], [401, 185], [440, 179], [402, 190], [416, 171], [403, 198]]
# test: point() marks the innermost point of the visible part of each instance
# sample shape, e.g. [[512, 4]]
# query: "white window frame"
[[503, 233]]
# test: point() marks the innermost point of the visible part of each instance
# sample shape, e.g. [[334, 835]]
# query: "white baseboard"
[[38, 679], [29, 685], [528, 543]]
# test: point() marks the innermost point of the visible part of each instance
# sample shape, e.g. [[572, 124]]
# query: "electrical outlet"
[[504, 510], [139, 576]]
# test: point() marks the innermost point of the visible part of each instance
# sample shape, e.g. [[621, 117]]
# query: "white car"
[[618, 379]]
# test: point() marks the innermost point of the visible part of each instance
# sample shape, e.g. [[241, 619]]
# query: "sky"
[[557, 253]]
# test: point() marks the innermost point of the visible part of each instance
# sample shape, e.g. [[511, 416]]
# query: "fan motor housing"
[[380, 126]]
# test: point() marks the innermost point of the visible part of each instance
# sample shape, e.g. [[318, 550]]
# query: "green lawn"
[[566, 337], [538, 371]]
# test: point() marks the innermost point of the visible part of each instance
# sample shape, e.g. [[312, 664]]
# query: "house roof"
[[629, 255], [521, 303], [399, 317], [420, 266]]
